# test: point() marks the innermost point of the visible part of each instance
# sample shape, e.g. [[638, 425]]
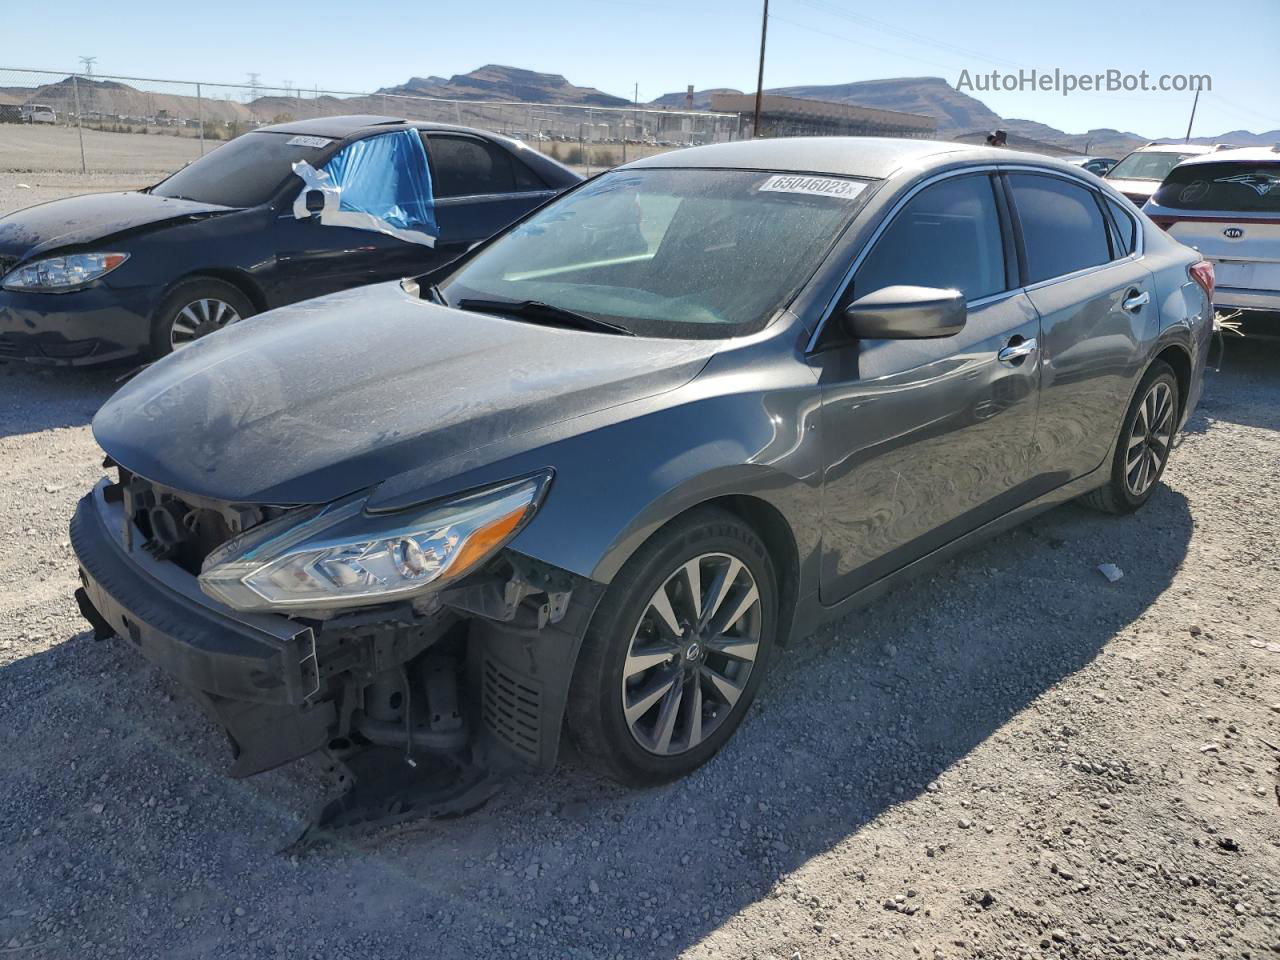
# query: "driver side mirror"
[[906, 313], [314, 201]]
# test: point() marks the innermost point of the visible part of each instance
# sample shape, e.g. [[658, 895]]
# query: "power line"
[[835, 10], [88, 65], [860, 43]]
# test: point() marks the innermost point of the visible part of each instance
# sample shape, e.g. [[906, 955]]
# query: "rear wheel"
[[676, 651], [196, 308], [1146, 439]]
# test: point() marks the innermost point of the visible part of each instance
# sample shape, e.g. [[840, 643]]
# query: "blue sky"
[[665, 44]]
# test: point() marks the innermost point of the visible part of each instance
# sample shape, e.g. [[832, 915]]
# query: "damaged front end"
[[413, 698]]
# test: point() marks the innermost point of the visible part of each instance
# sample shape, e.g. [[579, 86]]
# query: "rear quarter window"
[[1238, 187]]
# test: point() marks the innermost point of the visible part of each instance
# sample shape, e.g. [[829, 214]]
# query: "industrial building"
[[797, 117]]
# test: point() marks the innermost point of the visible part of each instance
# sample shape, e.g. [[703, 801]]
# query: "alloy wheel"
[[691, 654], [198, 318], [1149, 440]]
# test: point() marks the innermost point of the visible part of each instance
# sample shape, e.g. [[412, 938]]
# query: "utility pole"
[[253, 86], [88, 72], [1194, 104], [764, 29]]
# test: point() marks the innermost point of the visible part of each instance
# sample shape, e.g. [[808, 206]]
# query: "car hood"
[[311, 402], [76, 221]]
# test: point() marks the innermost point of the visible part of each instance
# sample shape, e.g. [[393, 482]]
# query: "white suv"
[[1139, 173], [1227, 205]]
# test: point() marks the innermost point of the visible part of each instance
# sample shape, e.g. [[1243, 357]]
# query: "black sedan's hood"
[[311, 402], [76, 221]]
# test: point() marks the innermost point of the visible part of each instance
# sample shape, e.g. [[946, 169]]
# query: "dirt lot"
[[43, 148], [1014, 758]]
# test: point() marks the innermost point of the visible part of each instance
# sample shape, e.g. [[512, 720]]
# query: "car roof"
[[1173, 148], [871, 157], [356, 125], [1238, 155]]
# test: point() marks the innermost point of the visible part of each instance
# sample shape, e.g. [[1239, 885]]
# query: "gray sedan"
[[598, 471]]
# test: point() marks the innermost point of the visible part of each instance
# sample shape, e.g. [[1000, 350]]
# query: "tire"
[[1127, 488], [194, 308], [631, 750]]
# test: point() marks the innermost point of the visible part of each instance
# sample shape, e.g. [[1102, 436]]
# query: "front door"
[[925, 440], [378, 224]]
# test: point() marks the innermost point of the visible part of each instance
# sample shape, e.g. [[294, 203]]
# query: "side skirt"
[[811, 613]]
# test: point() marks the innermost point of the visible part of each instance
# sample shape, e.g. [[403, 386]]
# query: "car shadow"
[[1244, 366], [33, 398], [866, 714]]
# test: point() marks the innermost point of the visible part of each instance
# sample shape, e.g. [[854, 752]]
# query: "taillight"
[[1202, 273]]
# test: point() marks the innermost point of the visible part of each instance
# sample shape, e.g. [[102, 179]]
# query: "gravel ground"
[[1015, 758]]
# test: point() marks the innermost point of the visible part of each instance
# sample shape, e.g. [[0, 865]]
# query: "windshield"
[[1238, 187], [1147, 166], [669, 253], [244, 172]]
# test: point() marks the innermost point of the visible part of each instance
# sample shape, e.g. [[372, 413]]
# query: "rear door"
[[479, 189], [1096, 299], [925, 440], [1230, 212]]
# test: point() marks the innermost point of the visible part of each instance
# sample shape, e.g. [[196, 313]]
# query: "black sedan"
[[275, 216]]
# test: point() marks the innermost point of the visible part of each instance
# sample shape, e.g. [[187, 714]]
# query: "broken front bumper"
[[285, 688], [255, 674]]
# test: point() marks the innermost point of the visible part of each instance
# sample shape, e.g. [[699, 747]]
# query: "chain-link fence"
[[76, 122]]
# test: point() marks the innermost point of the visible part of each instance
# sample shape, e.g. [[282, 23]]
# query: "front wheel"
[[1146, 439], [676, 650], [193, 309]]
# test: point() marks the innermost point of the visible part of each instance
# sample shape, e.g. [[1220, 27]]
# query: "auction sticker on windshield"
[[309, 141], [817, 186]]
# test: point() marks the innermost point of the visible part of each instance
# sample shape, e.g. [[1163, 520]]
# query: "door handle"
[[1016, 351], [1136, 301]]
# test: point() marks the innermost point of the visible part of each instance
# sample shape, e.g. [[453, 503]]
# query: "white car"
[[1139, 173], [38, 113], [1226, 204]]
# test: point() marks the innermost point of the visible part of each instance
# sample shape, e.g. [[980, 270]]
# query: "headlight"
[[340, 556], [57, 274]]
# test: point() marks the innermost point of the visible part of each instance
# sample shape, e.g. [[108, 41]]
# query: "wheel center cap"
[[693, 651]]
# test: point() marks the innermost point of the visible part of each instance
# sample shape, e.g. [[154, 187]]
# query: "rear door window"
[[1062, 226], [468, 167], [1236, 187], [946, 236]]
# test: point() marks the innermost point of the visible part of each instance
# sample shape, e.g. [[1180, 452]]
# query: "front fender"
[[622, 473]]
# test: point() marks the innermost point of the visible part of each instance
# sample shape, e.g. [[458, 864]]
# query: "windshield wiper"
[[537, 311]]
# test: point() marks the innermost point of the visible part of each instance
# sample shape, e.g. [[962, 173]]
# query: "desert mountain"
[[959, 115], [496, 82], [955, 112]]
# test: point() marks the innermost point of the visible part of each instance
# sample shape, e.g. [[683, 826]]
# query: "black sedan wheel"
[[675, 651], [1146, 439], [196, 308]]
